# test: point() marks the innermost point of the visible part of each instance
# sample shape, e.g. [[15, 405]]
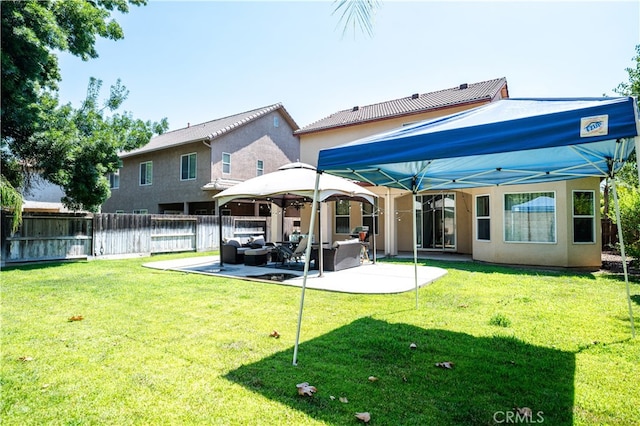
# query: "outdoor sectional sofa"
[[342, 255], [233, 252]]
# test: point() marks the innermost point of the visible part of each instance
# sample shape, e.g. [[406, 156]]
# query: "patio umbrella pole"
[[622, 254], [307, 255]]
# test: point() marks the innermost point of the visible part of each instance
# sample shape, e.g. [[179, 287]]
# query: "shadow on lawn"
[[35, 265], [490, 377]]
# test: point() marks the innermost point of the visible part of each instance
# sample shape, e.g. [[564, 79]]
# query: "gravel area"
[[612, 262]]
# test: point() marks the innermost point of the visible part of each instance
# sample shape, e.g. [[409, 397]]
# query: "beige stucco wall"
[[562, 253]]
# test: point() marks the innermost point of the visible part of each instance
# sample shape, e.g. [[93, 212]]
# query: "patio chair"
[[285, 254]]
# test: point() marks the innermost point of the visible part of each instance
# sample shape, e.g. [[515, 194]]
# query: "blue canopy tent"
[[511, 141]]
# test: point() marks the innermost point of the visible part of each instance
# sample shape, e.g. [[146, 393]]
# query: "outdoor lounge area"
[[256, 252], [368, 278]]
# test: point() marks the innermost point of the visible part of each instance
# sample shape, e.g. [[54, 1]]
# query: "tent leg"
[[320, 253], [622, 253], [637, 142], [307, 255], [373, 223], [415, 245], [220, 238]]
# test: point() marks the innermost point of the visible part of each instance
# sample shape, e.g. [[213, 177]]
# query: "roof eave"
[[139, 151]]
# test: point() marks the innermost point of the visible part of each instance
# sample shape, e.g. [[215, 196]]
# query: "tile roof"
[[418, 103], [208, 130]]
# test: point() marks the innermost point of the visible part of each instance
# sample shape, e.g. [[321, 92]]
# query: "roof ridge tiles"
[[408, 105]]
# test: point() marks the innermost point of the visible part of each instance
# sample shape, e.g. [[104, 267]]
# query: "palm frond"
[[356, 14]]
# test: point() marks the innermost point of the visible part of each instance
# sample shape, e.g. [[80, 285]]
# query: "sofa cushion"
[[256, 242], [233, 242]]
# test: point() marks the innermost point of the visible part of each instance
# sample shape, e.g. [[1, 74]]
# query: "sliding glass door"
[[436, 218]]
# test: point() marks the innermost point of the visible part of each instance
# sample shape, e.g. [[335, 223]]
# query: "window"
[[259, 168], [146, 173], [114, 180], [188, 166], [276, 121], [140, 211], [368, 218], [119, 211], [584, 221], [483, 218], [530, 217], [342, 217], [226, 162]]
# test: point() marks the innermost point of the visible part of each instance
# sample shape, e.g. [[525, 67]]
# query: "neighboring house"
[[43, 197], [562, 231], [178, 172]]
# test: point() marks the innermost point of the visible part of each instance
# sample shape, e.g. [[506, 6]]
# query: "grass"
[[161, 347]]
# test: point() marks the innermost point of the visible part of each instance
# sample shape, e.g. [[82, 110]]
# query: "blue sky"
[[197, 61]]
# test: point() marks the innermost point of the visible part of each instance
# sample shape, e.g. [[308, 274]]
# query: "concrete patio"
[[368, 278]]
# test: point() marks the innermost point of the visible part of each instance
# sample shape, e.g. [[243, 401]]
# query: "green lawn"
[[162, 347]]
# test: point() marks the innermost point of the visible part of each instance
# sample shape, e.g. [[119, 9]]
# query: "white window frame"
[[189, 171], [148, 173], [577, 216], [478, 218], [140, 211], [259, 168], [226, 164], [505, 221]]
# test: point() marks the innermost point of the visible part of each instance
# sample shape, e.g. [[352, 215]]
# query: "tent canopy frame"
[[509, 141]]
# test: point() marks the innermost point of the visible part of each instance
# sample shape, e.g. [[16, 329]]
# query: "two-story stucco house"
[[530, 224], [178, 172]]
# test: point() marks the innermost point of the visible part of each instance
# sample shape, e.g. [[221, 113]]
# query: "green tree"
[[72, 148], [627, 177], [629, 173], [77, 148]]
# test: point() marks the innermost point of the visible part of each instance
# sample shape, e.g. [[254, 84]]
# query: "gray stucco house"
[[178, 172]]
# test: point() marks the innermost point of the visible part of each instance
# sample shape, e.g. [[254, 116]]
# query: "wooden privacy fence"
[[47, 237], [70, 236]]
